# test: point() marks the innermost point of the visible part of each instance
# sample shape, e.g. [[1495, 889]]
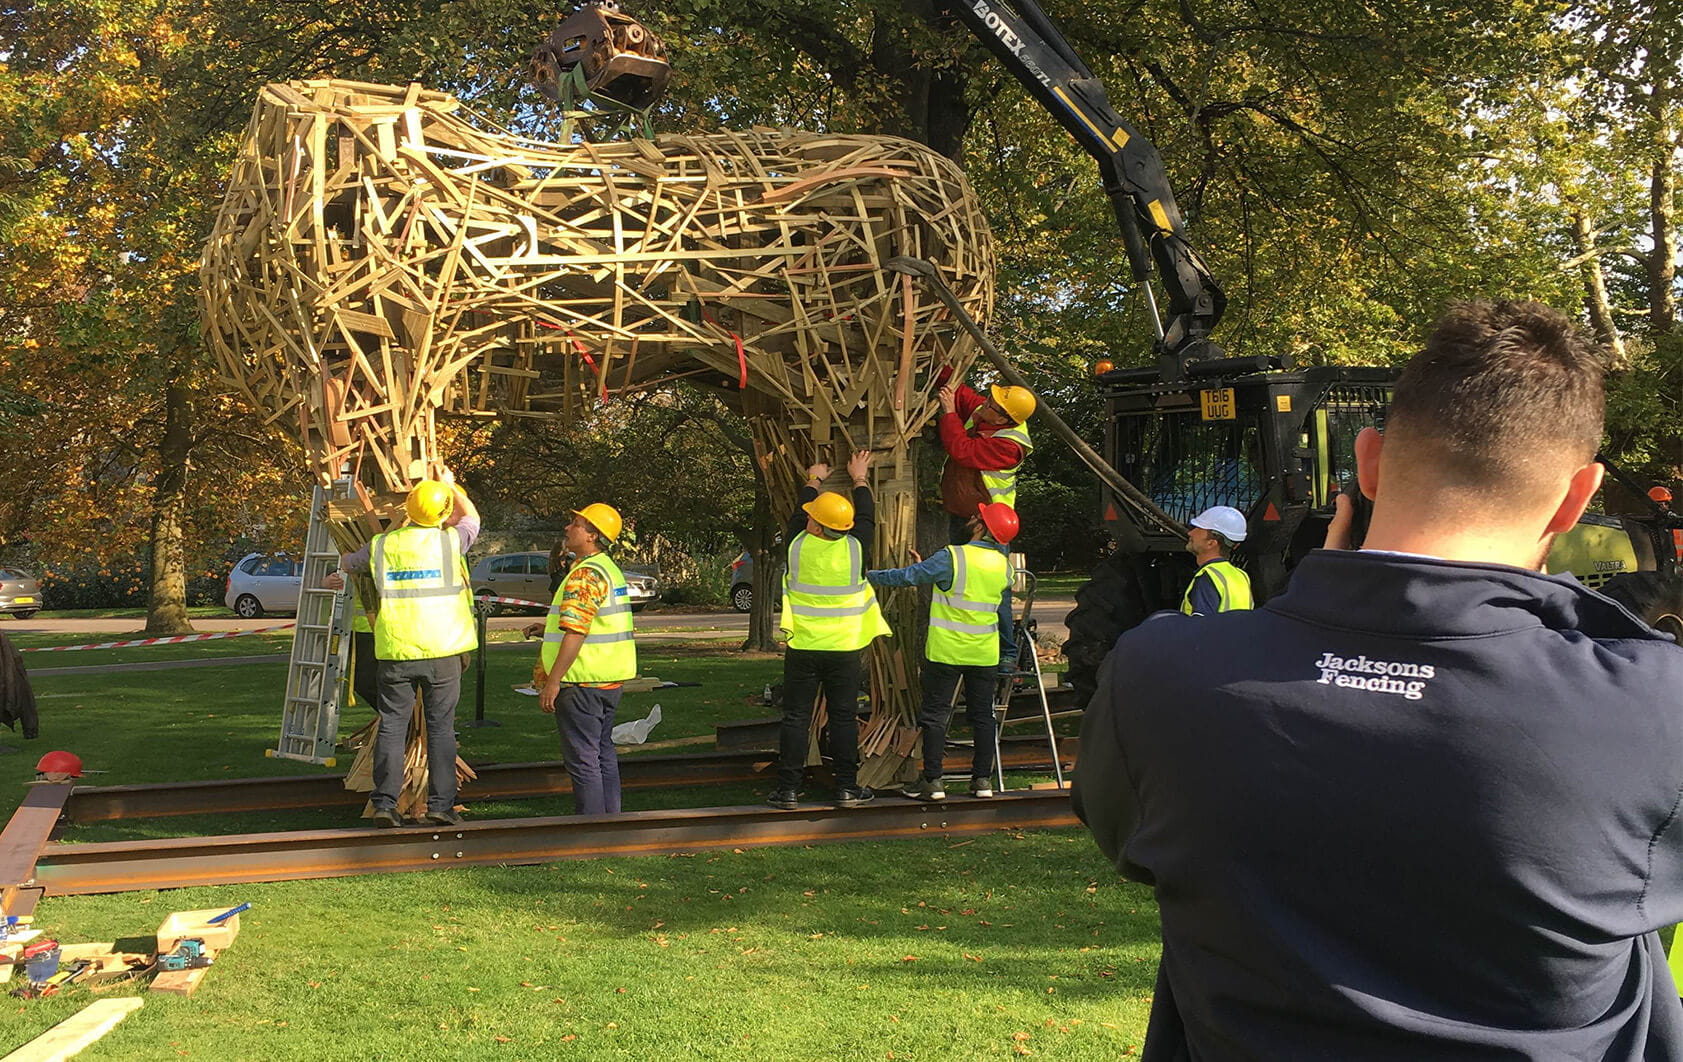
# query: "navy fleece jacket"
[[1409, 809]]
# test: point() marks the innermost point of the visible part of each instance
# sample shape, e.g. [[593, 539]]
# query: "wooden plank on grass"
[[177, 982], [70, 1036]]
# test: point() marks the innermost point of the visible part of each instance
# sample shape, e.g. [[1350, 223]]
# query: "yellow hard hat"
[[429, 502], [1017, 402], [604, 518], [832, 510]]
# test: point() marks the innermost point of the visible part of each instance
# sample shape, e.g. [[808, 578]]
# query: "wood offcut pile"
[[385, 257]]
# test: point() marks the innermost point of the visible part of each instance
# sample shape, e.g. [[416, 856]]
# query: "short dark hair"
[[1498, 384]]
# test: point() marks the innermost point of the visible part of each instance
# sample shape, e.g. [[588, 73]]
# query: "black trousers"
[[439, 681], [838, 674], [364, 682], [939, 682]]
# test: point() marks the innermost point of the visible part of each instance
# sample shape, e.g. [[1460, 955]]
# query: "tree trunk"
[[768, 570], [1595, 287], [931, 105], [166, 604], [1662, 260]]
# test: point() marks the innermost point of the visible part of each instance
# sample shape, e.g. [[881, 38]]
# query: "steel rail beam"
[[498, 781], [24, 838], [126, 866]]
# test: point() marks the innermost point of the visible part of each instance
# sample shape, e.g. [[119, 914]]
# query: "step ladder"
[[1025, 669], [318, 675]]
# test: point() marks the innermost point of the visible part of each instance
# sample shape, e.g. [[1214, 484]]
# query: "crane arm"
[[1036, 53]]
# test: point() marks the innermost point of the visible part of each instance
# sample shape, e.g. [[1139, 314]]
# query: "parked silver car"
[[526, 576], [518, 575], [742, 584], [262, 583], [20, 593]]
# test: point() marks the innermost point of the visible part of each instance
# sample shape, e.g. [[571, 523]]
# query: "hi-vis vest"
[[426, 609], [827, 604], [964, 621], [1001, 484], [1233, 587], [608, 653]]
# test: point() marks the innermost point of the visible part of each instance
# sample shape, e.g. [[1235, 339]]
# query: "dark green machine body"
[[1275, 445], [1272, 444]]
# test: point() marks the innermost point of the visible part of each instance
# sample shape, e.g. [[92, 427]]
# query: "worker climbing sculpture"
[[385, 258]]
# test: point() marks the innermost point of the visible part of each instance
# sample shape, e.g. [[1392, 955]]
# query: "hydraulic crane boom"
[[1035, 52]]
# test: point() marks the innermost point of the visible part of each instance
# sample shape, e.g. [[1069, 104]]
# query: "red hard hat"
[[1001, 521], [1659, 494], [61, 763]]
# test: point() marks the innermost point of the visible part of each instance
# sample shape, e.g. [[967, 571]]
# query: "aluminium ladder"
[[1026, 668], [318, 676]]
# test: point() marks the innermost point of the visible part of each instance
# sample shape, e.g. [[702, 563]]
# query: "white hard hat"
[[1224, 520]]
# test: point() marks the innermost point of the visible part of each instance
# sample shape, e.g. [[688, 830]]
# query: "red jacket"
[[969, 452]]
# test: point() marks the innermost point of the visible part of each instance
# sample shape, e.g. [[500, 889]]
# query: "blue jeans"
[[585, 719]]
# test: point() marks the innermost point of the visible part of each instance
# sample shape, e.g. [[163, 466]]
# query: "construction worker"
[[1219, 585], [423, 632], [1423, 804], [987, 441], [970, 604], [588, 653], [829, 615]]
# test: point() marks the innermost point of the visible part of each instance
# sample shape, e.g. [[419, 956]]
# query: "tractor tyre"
[[1112, 601], [1651, 595]]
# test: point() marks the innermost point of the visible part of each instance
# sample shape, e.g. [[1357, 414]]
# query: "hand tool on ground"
[[40, 960], [225, 915], [189, 954]]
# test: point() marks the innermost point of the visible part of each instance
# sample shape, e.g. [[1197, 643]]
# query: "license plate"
[[23, 600], [1218, 404]]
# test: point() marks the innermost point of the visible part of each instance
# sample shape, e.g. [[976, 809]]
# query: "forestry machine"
[[1198, 428]]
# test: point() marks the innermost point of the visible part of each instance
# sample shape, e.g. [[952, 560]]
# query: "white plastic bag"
[[637, 731]]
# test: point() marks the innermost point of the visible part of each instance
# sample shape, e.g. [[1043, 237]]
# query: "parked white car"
[[20, 593], [262, 583], [526, 576]]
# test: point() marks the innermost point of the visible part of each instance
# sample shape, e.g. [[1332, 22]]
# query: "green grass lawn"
[[159, 726], [139, 613], [1059, 584], [991, 947]]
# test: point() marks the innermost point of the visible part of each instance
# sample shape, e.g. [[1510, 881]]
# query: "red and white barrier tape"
[[173, 640], [512, 601], [177, 639]]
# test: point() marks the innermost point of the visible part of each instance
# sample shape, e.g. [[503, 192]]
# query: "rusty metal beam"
[[496, 781], [125, 866], [499, 781], [22, 842]]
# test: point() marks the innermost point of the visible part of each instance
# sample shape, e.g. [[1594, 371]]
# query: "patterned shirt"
[[582, 593]]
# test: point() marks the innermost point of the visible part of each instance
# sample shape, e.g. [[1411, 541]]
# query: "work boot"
[[981, 787], [447, 817], [387, 818], [852, 796], [787, 799], [926, 789]]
